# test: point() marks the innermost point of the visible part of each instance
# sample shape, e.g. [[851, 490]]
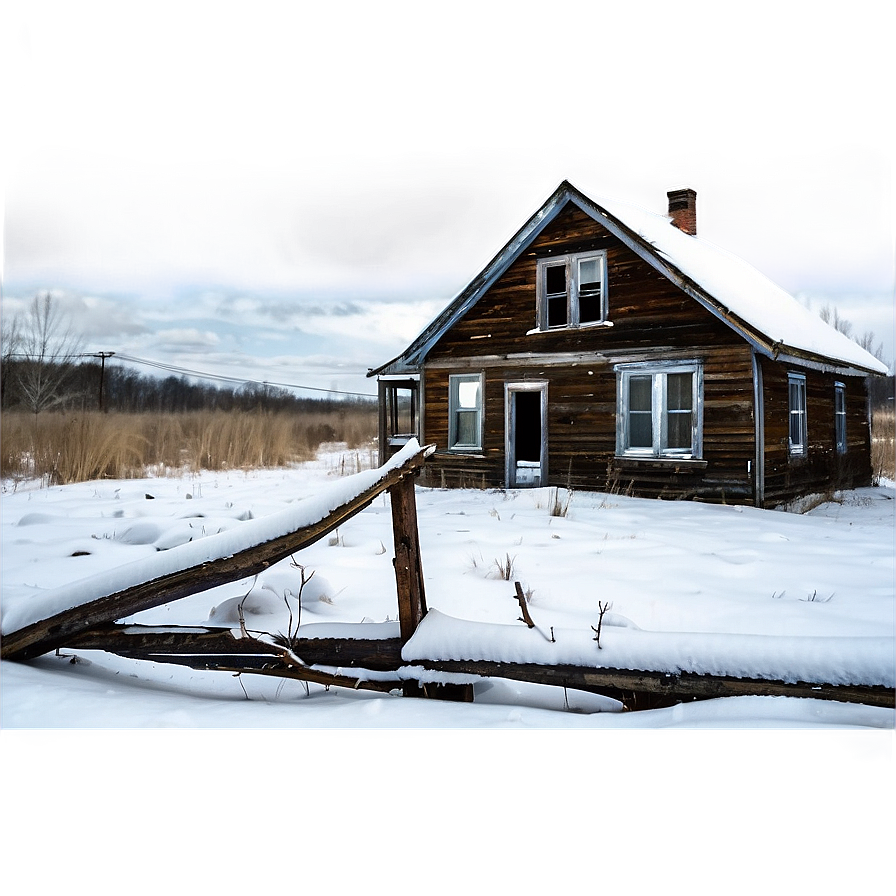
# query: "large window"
[[660, 410], [796, 390], [465, 412], [572, 290], [840, 417]]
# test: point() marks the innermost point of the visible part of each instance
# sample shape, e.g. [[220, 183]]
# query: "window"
[[796, 390], [660, 410], [840, 417], [572, 290], [465, 412], [399, 410]]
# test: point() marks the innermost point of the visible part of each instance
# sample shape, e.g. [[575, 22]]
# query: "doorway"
[[526, 434]]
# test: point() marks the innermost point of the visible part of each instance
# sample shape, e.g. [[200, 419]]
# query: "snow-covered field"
[[439, 795]]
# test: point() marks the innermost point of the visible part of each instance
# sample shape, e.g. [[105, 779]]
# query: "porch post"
[[381, 402]]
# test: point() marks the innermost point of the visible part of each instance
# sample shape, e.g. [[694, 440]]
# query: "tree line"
[[43, 367]]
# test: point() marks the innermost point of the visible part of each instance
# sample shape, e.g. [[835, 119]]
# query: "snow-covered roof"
[[766, 315]]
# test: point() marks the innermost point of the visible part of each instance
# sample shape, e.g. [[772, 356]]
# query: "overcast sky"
[[291, 191]]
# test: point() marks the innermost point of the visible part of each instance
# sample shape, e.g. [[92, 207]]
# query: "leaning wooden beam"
[[46, 634], [147, 641], [220, 649]]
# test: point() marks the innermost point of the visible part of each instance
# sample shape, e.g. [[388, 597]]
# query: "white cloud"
[[316, 341], [185, 340]]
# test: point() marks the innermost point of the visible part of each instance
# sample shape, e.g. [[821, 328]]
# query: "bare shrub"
[[504, 568], [560, 501]]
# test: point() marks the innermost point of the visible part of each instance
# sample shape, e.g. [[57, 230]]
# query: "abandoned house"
[[607, 348]]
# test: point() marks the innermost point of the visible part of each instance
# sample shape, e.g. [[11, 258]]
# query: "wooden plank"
[[144, 641], [219, 649], [620, 683], [47, 634], [408, 565]]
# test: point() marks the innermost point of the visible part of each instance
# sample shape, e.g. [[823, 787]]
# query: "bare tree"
[[867, 340], [49, 347], [830, 315], [10, 337], [871, 344]]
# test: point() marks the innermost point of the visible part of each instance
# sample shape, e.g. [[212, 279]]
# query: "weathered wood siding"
[[822, 469], [652, 320]]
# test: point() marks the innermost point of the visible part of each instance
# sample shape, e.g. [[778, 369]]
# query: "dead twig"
[[603, 607], [522, 601]]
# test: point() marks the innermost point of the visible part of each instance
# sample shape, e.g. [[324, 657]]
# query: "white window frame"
[[454, 383], [840, 417], [796, 412], [658, 372], [570, 263]]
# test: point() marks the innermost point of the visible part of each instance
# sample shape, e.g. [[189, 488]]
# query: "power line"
[[185, 371], [171, 368]]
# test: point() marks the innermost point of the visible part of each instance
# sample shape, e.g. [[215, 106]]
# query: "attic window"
[[571, 290]]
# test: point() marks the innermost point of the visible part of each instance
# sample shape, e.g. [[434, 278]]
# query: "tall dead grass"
[[883, 444], [63, 448]]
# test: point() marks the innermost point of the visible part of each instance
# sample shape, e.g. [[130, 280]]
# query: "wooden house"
[[607, 348]]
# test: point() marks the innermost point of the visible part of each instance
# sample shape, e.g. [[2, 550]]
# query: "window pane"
[[590, 283], [679, 391], [589, 274], [796, 435], [557, 311], [679, 429], [640, 389], [640, 429], [555, 279], [467, 433], [590, 309], [468, 394]]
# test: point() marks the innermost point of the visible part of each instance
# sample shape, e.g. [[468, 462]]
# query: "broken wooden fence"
[[360, 663], [62, 628]]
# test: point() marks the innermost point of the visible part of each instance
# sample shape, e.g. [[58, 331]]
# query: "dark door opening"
[[527, 435]]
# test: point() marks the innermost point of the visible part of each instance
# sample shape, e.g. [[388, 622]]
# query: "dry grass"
[[883, 444], [63, 448]]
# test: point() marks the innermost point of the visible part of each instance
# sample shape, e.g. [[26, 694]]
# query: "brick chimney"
[[683, 209]]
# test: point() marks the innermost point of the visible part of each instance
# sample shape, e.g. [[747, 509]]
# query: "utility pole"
[[102, 356]]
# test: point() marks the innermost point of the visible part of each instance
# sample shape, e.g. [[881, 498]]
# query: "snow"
[[830, 660], [183, 552], [721, 589], [724, 791], [742, 289]]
